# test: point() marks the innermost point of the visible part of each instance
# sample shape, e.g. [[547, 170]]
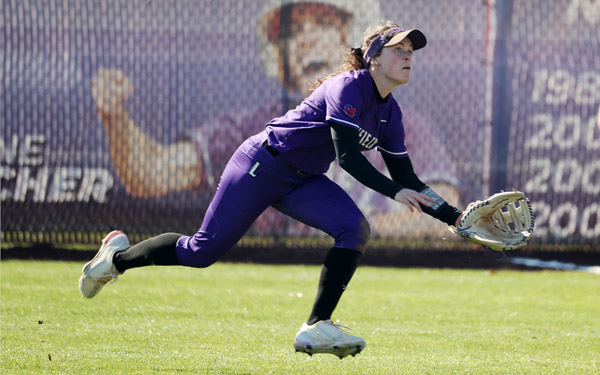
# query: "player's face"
[[312, 54], [396, 62]]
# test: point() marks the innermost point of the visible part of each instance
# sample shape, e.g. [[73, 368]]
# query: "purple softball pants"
[[254, 180]]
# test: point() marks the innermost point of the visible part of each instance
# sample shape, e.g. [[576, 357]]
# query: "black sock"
[[159, 250], [338, 268]]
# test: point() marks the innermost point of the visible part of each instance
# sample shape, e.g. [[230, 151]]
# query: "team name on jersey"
[[366, 139]]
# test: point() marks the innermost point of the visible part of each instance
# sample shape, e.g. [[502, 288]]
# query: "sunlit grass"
[[241, 319]]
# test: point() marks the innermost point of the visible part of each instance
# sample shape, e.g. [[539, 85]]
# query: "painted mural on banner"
[[123, 114]]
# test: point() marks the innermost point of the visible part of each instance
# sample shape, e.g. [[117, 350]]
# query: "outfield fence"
[[122, 114]]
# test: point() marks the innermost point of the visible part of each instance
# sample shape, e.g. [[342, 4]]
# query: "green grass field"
[[241, 319]]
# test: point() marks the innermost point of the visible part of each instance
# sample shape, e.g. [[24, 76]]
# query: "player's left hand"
[[459, 219]]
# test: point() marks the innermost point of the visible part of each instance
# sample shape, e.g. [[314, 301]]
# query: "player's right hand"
[[411, 199], [110, 88]]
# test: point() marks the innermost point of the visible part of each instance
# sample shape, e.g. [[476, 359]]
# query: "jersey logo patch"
[[349, 110]]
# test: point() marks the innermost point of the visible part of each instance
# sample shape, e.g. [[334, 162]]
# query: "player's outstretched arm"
[[145, 167]]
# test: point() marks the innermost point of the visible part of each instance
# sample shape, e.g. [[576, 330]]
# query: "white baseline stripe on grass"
[[553, 264]]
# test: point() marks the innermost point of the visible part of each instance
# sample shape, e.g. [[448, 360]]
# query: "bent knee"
[[364, 235], [355, 236], [198, 254]]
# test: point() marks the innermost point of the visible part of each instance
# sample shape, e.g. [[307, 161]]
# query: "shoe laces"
[[341, 327]]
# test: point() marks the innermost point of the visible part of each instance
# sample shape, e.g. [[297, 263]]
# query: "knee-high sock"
[[337, 271], [160, 250]]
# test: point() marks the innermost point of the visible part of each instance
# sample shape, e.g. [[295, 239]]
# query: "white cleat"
[[327, 337], [101, 270]]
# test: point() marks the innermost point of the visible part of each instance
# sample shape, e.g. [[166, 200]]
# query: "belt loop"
[[270, 149]]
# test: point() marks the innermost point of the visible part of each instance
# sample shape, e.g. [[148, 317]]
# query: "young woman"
[[283, 166]]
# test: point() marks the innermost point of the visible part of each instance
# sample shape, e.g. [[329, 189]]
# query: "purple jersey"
[[303, 137]]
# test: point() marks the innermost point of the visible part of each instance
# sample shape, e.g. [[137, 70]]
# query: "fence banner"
[[123, 114]]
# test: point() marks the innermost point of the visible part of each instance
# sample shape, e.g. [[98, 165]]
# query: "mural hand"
[[110, 88]]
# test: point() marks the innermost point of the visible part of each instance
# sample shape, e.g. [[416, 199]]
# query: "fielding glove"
[[501, 222]]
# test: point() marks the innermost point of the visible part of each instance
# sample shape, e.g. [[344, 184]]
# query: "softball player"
[[283, 166]]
